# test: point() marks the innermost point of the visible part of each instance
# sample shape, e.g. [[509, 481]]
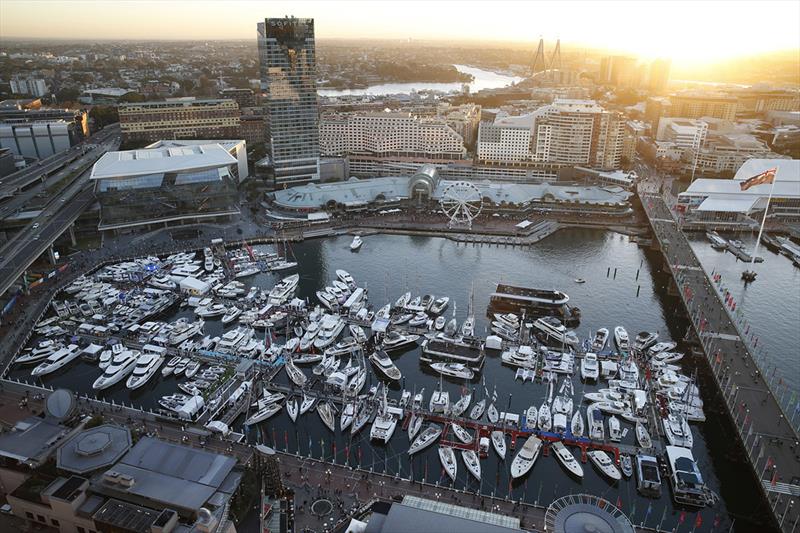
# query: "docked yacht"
[[439, 305], [576, 424], [456, 370], [146, 367], [478, 409], [472, 463], [234, 338], [644, 340], [614, 429], [122, 365], [383, 363], [596, 423], [347, 416], [308, 338], [642, 436], [661, 347], [491, 414], [440, 401], [648, 476], [281, 292], [162, 281], [328, 299], [626, 465], [345, 277], [397, 341], [448, 459], [330, 328], [468, 327], [325, 411], [600, 340], [169, 368], [461, 434], [545, 419], [414, 425], [358, 333], [418, 320], [306, 404], [566, 459], [42, 351], [677, 431], [499, 443], [356, 244], [58, 359], [526, 457], [621, 338], [264, 412], [182, 329], [461, 405], [231, 314], [425, 439], [604, 463], [211, 311], [521, 356], [363, 414], [401, 301], [688, 487], [531, 417], [295, 374], [383, 426], [590, 367], [552, 330]]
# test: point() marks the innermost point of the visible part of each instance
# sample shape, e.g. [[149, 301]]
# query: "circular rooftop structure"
[[60, 404], [94, 448], [585, 513], [423, 182]]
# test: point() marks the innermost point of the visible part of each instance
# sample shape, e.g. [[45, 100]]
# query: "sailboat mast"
[[763, 220]]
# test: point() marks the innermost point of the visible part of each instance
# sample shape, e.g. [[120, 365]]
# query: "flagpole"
[[764, 219]]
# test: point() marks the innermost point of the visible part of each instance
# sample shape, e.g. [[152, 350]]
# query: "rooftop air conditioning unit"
[[125, 480]]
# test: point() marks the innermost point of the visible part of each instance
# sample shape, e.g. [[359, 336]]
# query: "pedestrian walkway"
[[770, 441]]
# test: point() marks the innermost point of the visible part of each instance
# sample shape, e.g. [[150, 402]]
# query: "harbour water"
[[770, 305], [623, 287], [483, 79]]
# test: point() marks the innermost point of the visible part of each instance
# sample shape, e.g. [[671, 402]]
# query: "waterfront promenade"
[[770, 441]]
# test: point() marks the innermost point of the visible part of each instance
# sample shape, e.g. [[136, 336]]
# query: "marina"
[[504, 423]]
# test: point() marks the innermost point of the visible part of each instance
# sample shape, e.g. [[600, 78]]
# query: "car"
[[35, 225], [5, 509]]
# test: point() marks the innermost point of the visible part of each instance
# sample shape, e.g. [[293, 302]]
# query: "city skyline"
[[623, 27]]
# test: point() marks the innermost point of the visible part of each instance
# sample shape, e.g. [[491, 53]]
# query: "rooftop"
[[160, 160], [429, 515], [94, 448], [115, 92], [32, 439]]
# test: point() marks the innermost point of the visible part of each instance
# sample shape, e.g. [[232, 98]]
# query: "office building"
[[253, 128], [14, 115], [723, 200], [179, 118], [726, 153], [566, 132], [168, 184], [619, 71], [287, 60], [658, 78], [761, 101], [463, 119], [691, 104], [243, 97], [656, 108], [634, 130], [237, 148], [394, 134], [40, 139], [683, 132], [28, 85]]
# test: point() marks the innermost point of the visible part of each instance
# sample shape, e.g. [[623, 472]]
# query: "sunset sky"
[[685, 31]]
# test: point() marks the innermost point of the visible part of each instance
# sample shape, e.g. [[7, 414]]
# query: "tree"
[[132, 98], [103, 115], [67, 94]]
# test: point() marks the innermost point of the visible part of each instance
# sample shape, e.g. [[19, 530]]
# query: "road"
[[56, 217], [770, 441]]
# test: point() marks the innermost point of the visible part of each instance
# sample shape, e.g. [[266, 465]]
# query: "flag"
[[768, 176], [682, 517], [774, 480], [619, 502], [698, 521], [716, 521]]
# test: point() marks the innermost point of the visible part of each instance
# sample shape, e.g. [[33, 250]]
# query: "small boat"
[[192, 368], [499, 443], [439, 305], [348, 415], [614, 429], [345, 277], [265, 412], [621, 338], [420, 319], [468, 327], [425, 439], [642, 436], [626, 465], [590, 367], [644, 340], [604, 463], [477, 410], [414, 426], [383, 363], [180, 368], [576, 424], [461, 434], [664, 346], [492, 414], [472, 463], [545, 419], [439, 323], [451, 328], [566, 459], [170, 366], [531, 417], [356, 244], [600, 340], [526, 457], [448, 459], [358, 333], [580, 280], [232, 314], [461, 405], [292, 409], [306, 404], [402, 301], [325, 412]]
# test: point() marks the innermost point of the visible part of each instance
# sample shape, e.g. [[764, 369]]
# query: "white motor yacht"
[[614, 429], [122, 365], [590, 367], [402, 300], [468, 327], [264, 412], [183, 329], [396, 341], [677, 431], [330, 328], [440, 401], [425, 439], [448, 459], [439, 305], [621, 338], [192, 368], [146, 367], [345, 277], [41, 351], [418, 320], [169, 368], [644, 340], [566, 459], [358, 333], [531, 417], [596, 423], [383, 426], [231, 314], [211, 311], [600, 340], [661, 347], [356, 244], [58, 359], [456, 370], [553, 331], [386, 366], [604, 463], [526, 457], [281, 292]]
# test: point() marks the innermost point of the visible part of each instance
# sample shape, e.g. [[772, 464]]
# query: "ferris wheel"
[[462, 202]]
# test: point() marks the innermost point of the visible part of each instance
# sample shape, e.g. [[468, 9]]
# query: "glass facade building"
[[287, 60], [142, 187]]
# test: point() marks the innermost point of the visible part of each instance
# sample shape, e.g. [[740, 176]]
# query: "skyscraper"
[[659, 75], [287, 60]]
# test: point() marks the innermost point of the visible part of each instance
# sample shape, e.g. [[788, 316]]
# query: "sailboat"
[[448, 459], [471, 461]]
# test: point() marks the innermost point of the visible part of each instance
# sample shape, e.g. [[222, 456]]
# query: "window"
[[29, 515], [40, 518], [54, 522], [81, 530]]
